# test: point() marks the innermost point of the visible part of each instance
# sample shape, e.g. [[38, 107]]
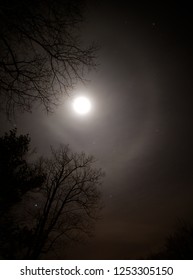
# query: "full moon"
[[82, 105]]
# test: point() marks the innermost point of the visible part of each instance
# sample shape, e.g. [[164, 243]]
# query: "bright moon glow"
[[82, 105]]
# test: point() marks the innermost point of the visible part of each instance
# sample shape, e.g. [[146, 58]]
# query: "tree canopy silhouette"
[[41, 55], [179, 245], [55, 198], [17, 176]]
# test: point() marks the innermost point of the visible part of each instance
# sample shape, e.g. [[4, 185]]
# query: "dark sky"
[[140, 128]]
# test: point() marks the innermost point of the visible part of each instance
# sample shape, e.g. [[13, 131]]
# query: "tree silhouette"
[[179, 245], [17, 177], [69, 200], [41, 55], [41, 203]]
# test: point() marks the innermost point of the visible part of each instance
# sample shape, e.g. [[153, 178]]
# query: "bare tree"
[[69, 200], [41, 56]]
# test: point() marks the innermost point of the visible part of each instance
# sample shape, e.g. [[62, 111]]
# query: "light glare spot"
[[82, 105]]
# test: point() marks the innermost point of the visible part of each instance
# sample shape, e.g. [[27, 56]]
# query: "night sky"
[[139, 129]]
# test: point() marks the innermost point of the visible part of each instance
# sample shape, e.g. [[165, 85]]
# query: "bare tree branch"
[[41, 54]]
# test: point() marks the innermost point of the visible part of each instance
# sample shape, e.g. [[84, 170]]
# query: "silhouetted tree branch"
[[41, 56]]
